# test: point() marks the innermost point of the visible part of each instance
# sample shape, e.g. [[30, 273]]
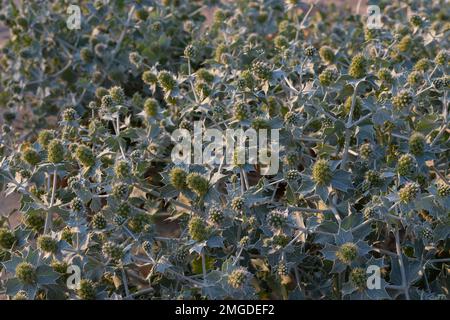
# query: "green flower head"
[[55, 151], [417, 143], [326, 54], [357, 67], [85, 156], [197, 229], [358, 277], [409, 192], [197, 183], [26, 272], [86, 290], [7, 238], [31, 156], [321, 172], [47, 244], [347, 253], [238, 278]]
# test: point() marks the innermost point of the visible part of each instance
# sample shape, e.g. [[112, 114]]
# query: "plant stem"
[[401, 264], [125, 282], [348, 129], [48, 218], [310, 210], [190, 81]]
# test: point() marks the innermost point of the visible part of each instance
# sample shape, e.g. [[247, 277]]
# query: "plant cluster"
[[364, 151]]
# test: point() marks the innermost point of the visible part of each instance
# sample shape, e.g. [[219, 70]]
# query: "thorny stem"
[[190, 81], [306, 231], [438, 260], [399, 136], [184, 206], [368, 221], [424, 273], [236, 259], [424, 90], [363, 118], [247, 185], [348, 128], [386, 252], [401, 264], [297, 279], [51, 76], [117, 129], [334, 210], [269, 184], [241, 178], [307, 13], [309, 210], [125, 282], [48, 218], [274, 193], [129, 232], [301, 232], [443, 178]]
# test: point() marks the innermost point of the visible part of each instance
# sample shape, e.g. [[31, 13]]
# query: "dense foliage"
[[364, 151]]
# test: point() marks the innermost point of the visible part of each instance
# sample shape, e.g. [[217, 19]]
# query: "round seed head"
[[321, 172], [358, 277], [47, 244], [26, 273], [409, 192], [55, 151], [197, 183], [238, 278], [7, 239], [347, 253], [197, 229], [86, 290], [99, 221]]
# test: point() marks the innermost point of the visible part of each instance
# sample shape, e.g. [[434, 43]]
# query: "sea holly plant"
[[30, 275], [345, 252], [108, 48], [116, 203], [360, 286]]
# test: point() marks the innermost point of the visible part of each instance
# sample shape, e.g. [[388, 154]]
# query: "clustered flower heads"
[[88, 138]]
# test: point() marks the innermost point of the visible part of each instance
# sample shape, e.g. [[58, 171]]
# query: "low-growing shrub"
[[362, 192]]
